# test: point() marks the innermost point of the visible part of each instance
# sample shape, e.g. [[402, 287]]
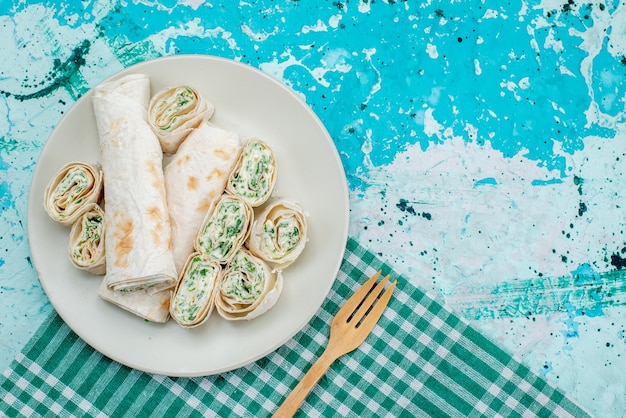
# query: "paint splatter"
[[61, 75]]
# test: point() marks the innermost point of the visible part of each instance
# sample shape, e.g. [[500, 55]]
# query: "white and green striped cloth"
[[420, 360]]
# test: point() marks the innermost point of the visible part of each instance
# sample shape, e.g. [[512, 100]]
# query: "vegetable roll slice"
[[225, 228], [174, 112], [86, 248], [248, 288], [192, 302], [73, 188], [254, 175], [194, 178], [279, 233]]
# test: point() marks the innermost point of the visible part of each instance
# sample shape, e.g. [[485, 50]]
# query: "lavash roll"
[[224, 229], [138, 232], [72, 189], [248, 288], [174, 112], [147, 304], [86, 246], [254, 175], [192, 301], [194, 178], [279, 233]]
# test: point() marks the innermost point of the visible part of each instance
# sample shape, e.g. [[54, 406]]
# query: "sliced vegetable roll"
[[279, 233], [192, 301], [86, 248], [248, 288], [138, 231], [254, 175], [225, 228], [73, 188], [194, 178], [174, 112]]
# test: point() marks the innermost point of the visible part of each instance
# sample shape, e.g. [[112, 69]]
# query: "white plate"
[[251, 103]]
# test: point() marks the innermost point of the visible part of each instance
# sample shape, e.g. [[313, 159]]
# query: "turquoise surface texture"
[[484, 145]]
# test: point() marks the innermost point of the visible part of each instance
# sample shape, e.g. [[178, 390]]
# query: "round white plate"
[[250, 103]]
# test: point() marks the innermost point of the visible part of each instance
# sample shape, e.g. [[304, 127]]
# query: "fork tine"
[[369, 301], [351, 304], [377, 310]]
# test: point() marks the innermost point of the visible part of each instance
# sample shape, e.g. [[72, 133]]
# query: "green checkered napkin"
[[420, 360]]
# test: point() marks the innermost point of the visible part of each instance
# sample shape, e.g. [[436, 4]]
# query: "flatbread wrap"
[[248, 288], [225, 228], [279, 233], [86, 246], [174, 112], [192, 301], [137, 223], [72, 189], [151, 306], [254, 175], [194, 178]]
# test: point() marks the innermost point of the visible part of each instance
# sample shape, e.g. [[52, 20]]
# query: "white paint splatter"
[[318, 27], [524, 83], [431, 126], [257, 36], [477, 69], [431, 50], [364, 6], [490, 14], [334, 20], [194, 4]]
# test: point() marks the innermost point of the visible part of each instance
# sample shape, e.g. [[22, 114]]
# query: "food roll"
[[194, 178], [72, 189], [149, 305], [174, 112], [254, 175], [279, 233], [86, 246], [248, 288], [192, 301], [137, 222], [225, 228]]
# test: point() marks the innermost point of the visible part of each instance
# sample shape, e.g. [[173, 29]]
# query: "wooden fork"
[[352, 324]]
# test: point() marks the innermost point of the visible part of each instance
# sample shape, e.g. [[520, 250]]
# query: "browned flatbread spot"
[[205, 204], [125, 242], [222, 153], [192, 183], [215, 173], [156, 216], [183, 159], [165, 304], [153, 172]]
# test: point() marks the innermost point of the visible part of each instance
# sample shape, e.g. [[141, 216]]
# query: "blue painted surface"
[[483, 145]]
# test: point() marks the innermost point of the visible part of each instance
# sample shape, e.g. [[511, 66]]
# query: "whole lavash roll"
[[86, 247], [194, 178], [73, 188], [174, 112], [138, 232], [279, 232], [248, 288]]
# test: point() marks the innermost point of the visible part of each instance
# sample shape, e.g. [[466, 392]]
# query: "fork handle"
[[302, 389]]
